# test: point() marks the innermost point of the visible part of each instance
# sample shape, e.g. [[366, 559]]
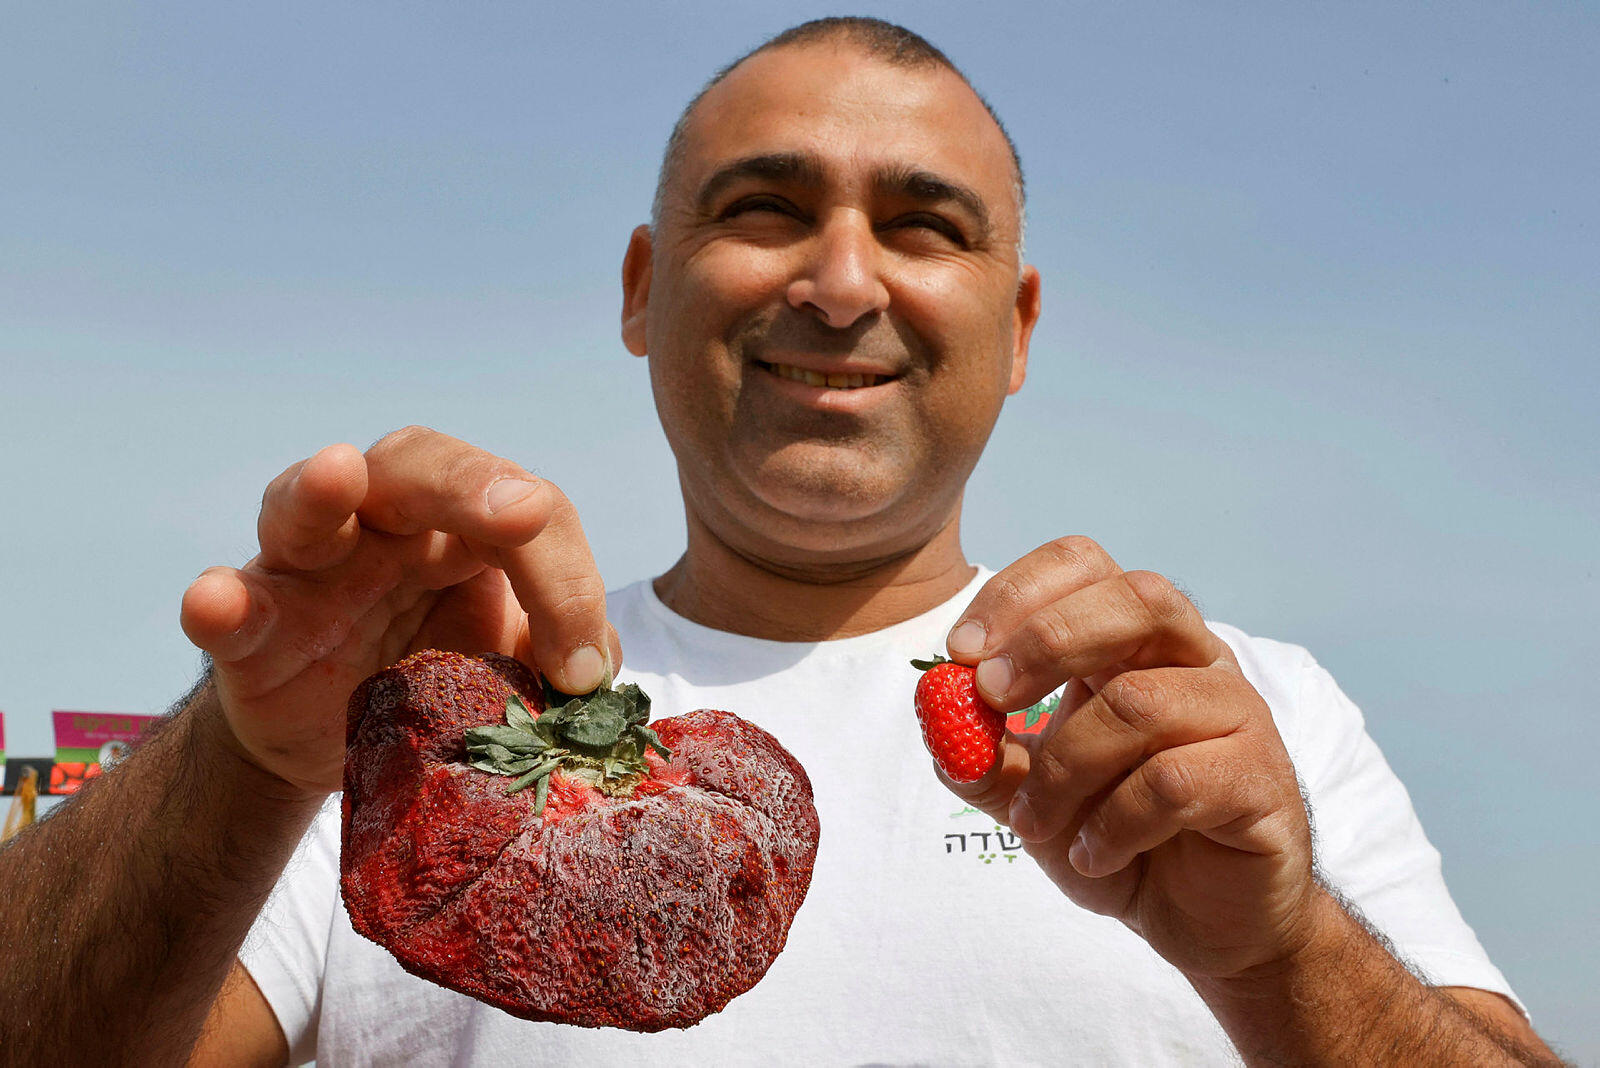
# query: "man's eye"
[[758, 204], [921, 221]]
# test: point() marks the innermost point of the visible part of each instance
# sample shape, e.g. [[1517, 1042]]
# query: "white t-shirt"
[[928, 936]]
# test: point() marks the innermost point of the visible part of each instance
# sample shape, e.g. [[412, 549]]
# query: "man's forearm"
[[122, 912], [1345, 999]]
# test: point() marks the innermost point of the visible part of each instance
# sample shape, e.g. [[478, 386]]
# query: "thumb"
[[992, 793]]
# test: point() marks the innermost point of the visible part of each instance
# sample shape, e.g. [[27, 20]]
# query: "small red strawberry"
[[958, 726]]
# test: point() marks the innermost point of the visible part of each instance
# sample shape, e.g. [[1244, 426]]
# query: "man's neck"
[[719, 587]]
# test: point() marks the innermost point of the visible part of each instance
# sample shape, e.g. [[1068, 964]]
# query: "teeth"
[[814, 378]]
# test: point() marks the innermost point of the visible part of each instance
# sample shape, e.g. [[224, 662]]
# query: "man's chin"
[[816, 528], [828, 493], [811, 524]]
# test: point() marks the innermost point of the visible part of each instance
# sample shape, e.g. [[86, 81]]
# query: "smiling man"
[[834, 310]]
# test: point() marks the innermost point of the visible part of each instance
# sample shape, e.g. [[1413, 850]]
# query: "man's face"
[[832, 302]]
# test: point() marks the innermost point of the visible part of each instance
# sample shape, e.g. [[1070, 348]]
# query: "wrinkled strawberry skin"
[[643, 913], [958, 726]]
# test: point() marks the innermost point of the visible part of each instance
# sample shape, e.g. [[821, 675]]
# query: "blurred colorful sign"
[[87, 742]]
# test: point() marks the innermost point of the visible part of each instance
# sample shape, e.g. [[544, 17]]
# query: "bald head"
[[884, 41]]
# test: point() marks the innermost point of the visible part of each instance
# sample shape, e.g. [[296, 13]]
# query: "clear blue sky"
[[1322, 310]]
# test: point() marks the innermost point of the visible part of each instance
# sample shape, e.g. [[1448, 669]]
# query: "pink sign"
[[88, 742]]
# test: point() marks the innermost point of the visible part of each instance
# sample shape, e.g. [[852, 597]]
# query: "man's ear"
[[1023, 318], [636, 290]]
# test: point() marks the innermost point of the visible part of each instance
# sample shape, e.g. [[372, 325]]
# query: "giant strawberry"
[[553, 861], [958, 726]]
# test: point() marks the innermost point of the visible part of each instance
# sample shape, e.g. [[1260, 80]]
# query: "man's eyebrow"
[[792, 167], [914, 184]]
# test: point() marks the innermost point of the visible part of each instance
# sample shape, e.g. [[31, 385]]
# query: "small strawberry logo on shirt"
[[1034, 718]]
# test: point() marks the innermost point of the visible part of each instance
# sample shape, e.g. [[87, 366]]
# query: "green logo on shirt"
[[987, 846]]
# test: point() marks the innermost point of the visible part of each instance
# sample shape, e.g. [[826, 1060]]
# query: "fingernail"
[[995, 676], [585, 669], [1081, 855], [508, 491], [967, 638]]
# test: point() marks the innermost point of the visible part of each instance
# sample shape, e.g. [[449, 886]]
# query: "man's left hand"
[[1160, 792]]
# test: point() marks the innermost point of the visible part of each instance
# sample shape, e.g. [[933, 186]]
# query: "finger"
[[419, 480], [1132, 620], [470, 616], [1042, 577], [1205, 787], [307, 520], [614, 646], [992, 793], [1135, 716], [557, 583], [283, 621], [226, 613], [522, 648]]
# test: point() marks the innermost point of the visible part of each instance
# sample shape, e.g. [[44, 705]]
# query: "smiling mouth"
[[833, 380]]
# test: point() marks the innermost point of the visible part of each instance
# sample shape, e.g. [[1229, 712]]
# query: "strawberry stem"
[[599, 737]]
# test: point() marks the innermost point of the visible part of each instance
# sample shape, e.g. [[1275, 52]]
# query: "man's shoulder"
[[1307, 705], [1263, 655], [627, 597], [1322, 727]]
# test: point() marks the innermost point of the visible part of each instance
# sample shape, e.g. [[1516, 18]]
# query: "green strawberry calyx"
[[599, 737], [928, 665]]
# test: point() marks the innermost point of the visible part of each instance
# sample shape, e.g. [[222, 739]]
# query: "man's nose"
[[841, 278]]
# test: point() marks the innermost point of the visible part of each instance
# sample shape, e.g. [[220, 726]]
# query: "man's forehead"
[[822, 98]]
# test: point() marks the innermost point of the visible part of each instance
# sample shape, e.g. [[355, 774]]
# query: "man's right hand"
[[421, 542]]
